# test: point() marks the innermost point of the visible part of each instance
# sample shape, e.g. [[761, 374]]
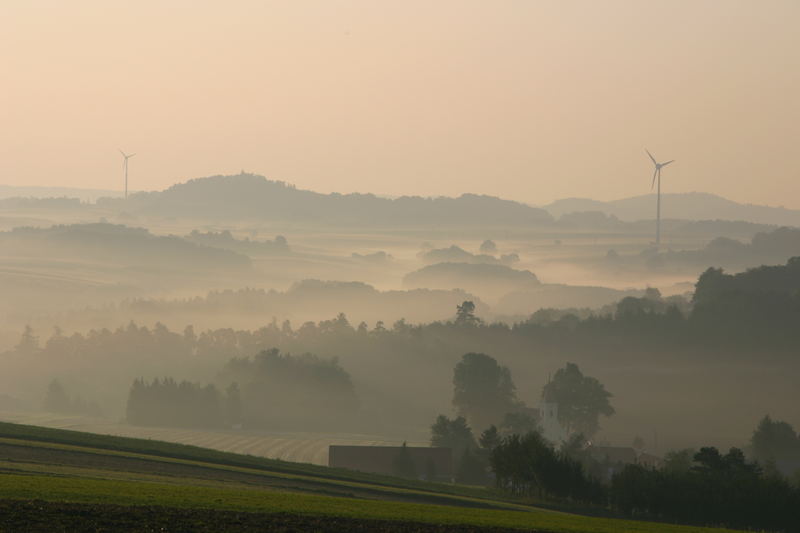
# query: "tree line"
[[702, 487], [727, 309], [511, 441], [277, 391], [58, 400], [718, 489], [747, 315], [705, 488], [166, 402]]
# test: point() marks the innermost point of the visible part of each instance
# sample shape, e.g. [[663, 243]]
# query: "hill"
[[117, 243], [559, 296], [249, 196], [477, 278], [511, 291], [85, 195], [685, 206], [769, 248], [56, 479]]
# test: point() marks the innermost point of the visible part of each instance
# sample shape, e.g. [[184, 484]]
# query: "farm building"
[[435, 463]]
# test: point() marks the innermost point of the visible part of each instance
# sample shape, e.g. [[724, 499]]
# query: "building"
[[436, 463], [546, 417], [552, 429]]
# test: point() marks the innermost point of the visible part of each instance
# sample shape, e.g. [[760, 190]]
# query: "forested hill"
[[114, 243], [248, 196]]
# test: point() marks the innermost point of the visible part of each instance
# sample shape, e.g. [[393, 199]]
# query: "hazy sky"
[[530, 100]]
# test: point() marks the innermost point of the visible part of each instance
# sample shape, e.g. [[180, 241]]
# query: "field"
[[297, 447], [56, 480]]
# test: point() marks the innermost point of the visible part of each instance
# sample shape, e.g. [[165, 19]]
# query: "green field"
[[63, 479]]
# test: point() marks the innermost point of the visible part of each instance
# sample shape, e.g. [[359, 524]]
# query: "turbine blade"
[[653, 159], [135, 154], [667, 163], [654, 179], [123, 153]]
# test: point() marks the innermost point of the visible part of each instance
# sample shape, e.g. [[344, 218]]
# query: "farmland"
[[296, 447], [76, 480]]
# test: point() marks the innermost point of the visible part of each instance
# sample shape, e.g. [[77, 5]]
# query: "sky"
[[527, 100]]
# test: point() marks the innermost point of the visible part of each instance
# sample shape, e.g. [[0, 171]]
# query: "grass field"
[[53, 480]]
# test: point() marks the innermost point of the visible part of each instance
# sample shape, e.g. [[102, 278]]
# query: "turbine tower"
[[125, 169], [657, 174]]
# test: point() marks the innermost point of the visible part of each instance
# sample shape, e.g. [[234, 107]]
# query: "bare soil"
[[35, 516]]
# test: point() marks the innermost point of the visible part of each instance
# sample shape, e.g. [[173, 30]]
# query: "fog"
[[305, 312], [458, 253]]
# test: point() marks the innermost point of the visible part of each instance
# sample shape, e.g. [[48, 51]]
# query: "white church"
[[551, 428]]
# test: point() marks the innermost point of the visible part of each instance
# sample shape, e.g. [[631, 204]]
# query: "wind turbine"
[[657, 174], [125, 170]]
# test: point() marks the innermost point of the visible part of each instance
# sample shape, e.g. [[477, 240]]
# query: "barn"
[[429, 463]]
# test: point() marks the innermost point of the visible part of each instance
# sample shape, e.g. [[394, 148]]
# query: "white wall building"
[[552, 429]]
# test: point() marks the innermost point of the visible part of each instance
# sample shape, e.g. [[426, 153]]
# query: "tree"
[[575, 447], [285, 391], [454, 434], [528, 465], [580, 399], [710, 460], [403, 464], [465, 314], [775, 442], [28, 343], [518, 422], [652, 293], [722, 490], [56, 400], [482, 390], [472, 469], [166, 402], [678, 461], [489, 439], [189, 335], [488, 247], [233, 405], [136, 408]]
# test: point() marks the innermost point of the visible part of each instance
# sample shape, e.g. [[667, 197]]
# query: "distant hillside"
[[110, 243], [559, 296], [248, 196], [685, 206], [86, 195], [766, 248], [492, 280], [511, 291], [307, 300]]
